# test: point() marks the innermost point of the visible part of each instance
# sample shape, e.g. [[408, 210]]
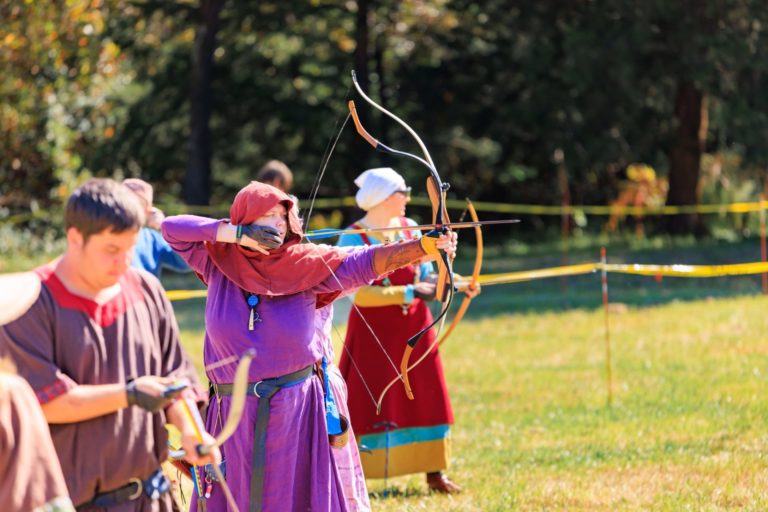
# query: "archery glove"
[[266, 236], [144, 400]]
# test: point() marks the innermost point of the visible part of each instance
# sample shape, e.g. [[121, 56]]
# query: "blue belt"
[[154, 486]]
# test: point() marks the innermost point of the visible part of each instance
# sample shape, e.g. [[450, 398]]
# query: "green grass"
[[686, 430]]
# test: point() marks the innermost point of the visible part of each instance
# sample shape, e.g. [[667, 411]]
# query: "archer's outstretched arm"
[[388, 258]]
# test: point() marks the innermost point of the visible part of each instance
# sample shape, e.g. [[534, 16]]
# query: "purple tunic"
[[347, 458], [299, 469]]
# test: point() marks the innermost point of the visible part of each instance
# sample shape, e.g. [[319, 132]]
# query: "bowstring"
[[354, 364], [319, 176], [354, 306], [330, 147]]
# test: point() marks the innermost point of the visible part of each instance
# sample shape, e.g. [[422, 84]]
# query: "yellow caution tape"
[[529, 275], [736, 269], [677, 270], [537, 209], [186, 294]]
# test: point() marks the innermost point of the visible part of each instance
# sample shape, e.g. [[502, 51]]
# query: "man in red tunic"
[[100, 347]]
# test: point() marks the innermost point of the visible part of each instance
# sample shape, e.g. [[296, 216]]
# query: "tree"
[[197, 188]]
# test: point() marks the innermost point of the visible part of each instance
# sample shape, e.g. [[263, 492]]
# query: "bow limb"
[[437, 198], [236, 406], [427, 157], [459, 314], [237, 403]]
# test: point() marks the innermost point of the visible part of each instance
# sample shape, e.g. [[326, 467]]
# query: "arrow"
[[327, 233]]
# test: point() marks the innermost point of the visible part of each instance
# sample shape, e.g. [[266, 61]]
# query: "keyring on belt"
[[256, 389], [138, 492]]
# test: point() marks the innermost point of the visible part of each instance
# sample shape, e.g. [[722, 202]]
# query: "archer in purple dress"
[[263, 289]]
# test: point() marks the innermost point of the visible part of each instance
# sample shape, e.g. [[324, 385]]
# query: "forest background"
[[519, 102]]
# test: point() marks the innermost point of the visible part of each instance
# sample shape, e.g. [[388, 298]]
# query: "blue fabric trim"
[[409, 294], [331, 411], [350, 240], [405, 436]]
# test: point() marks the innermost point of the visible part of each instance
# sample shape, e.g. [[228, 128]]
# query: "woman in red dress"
[[408, 436]]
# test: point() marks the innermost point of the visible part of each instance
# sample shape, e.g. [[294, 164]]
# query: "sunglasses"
[[406, 192]]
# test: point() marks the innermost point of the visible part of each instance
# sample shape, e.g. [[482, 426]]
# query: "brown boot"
[[438, 482]]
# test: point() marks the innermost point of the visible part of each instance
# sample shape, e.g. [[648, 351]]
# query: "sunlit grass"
[[686, 430]]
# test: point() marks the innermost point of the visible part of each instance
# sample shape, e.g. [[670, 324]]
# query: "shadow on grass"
[[396, 492]]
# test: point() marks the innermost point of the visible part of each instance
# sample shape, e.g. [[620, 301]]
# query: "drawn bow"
[[436, 190]]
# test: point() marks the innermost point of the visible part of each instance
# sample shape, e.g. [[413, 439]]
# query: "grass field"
[[686, 430], [526, 372]]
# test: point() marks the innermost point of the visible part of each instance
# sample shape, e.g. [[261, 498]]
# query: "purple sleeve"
[[186, 235], [355, 271]]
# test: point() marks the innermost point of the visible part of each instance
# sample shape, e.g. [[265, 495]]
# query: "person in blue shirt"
[[152, 252]]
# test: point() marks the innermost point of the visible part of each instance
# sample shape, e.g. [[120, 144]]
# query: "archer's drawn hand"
[[424, 290], [465, 288], [264, 236]]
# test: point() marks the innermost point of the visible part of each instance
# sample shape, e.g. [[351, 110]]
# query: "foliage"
[[504, 93]]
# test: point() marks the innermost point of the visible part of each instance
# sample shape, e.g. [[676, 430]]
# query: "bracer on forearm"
[[391, 257]]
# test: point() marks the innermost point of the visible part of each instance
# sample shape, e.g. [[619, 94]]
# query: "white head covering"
[[376, 185]]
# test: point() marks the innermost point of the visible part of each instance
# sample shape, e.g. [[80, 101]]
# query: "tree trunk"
[[361, 47], [383, 99], [197, 183], [685, 156], [362, 151]]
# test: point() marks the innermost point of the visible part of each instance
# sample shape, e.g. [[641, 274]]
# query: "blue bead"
[[253, 300]]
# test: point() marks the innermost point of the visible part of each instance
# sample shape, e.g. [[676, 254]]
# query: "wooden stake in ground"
[[763, 206], [608, 371]]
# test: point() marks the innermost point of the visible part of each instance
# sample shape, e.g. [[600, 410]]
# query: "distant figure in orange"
[[643, 189]]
